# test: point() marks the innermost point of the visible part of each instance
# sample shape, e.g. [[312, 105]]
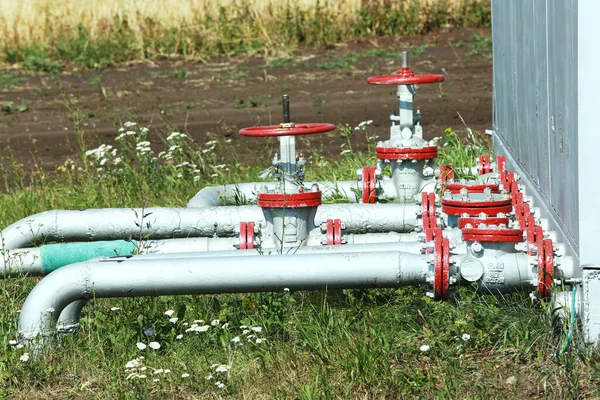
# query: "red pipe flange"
[[438, 268], [501, 164], [545, 261], [334, 232], [425, 211], [548, 273], [406, 153], [405, 77], [472, 187], [484, 164], [476, 221], [431, 211], [445, 269], [246, 235], [369, 185], [289, 200], [495, 235], [493, 204], [286, 129]]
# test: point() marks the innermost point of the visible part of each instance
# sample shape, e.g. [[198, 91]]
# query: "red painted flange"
[[288, 129], [438, 268], [369, 185], [406, 153], [541, 262], [484, 165], [548, 273], [292, 200], [431, 211], [474, 208], [492, 235], [246, 235], [425, 212], [445, 269], [456, 187], [475, 221], [501, 164], [334, 232], [405, 77]]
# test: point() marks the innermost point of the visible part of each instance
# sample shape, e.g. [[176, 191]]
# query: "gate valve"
[[288, 167], [406, 139], [474, 204]]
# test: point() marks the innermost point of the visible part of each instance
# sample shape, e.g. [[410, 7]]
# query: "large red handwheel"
[[289, 129], [405, 77]]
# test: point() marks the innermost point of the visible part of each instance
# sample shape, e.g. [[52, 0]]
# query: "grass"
[[50, 35], [326, 344]]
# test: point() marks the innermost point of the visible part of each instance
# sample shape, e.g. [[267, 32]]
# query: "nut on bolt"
[[476, 248]]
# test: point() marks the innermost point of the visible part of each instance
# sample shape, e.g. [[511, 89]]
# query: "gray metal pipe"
[[124, 223], [160, 223], [244, 193], [136, 276]]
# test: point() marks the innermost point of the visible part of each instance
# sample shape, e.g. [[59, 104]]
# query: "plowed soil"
[[224, 95]]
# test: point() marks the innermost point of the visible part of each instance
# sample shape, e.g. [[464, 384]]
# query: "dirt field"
[[221, 96]]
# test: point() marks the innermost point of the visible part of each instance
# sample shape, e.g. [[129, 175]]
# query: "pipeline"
[[162, 223]]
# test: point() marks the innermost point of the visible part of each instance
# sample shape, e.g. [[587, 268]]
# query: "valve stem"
[[404, 59], [286, 108]]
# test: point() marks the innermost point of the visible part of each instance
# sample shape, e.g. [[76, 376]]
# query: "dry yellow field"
[[25, 22]]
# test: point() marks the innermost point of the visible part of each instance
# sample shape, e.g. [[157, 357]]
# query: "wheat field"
[[189, 27]]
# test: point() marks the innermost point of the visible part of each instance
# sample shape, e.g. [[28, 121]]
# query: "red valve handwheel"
[[289, 129], [405, 77]]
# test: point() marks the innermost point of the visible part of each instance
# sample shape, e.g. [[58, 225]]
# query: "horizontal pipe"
[[136, 276], [161, 223], [126, 223]]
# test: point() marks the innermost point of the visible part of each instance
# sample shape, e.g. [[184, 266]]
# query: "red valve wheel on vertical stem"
[[405, 77], [289, 129], [445, 269], [438, 268]]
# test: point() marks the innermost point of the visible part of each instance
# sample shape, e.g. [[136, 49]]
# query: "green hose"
[[55, 256]]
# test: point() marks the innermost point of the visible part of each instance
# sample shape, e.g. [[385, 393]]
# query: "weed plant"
[[49, 35], [394, 343]]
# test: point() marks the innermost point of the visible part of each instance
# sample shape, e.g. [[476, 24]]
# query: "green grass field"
[[308, 345]]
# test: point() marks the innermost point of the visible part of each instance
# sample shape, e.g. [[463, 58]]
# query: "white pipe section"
[[124, 223], [242, 193], [158, 223], [103, 278]]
